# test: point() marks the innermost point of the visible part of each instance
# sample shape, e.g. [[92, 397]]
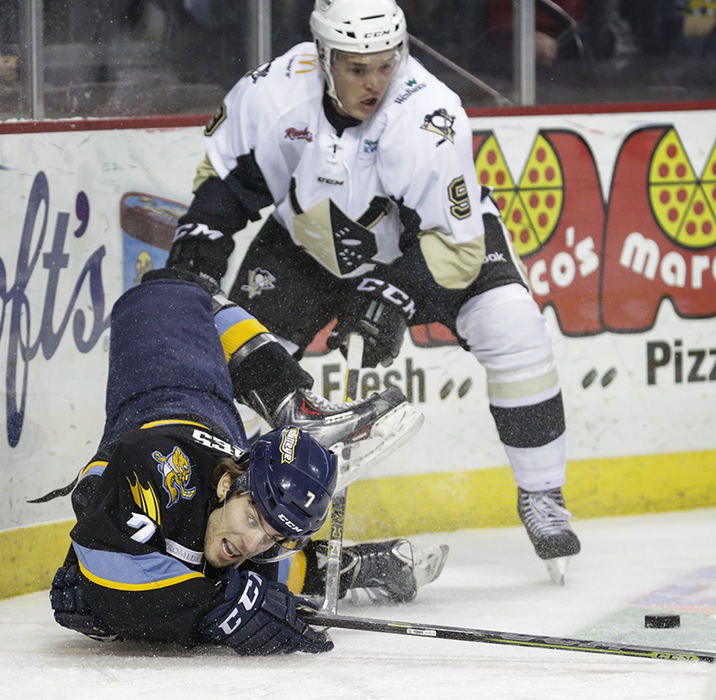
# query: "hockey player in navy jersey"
[[380, 222], [187, 533]]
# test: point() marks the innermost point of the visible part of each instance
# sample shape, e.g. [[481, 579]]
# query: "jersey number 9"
[[457, 194]]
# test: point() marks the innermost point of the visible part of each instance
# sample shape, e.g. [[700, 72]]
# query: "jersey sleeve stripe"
[[128, 572], [292, 572], [172, 421], [233, 337], [92, 469]]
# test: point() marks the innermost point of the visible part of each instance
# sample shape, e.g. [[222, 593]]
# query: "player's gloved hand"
[[379, 311], [259, 617], [70, 608], [200, 249]]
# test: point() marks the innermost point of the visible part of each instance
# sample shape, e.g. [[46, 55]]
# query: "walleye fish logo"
[[175, 469]]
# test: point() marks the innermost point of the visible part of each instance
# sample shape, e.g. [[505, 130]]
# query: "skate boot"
[[371, 427], [546, 520], [389, 571]]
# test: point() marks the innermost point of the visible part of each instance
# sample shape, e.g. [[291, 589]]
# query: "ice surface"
[[629, 566]]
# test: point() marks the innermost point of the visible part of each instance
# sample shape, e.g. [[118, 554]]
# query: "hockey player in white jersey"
[[380, 222]]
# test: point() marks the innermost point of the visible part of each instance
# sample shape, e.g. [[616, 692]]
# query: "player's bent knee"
[[505, 329]]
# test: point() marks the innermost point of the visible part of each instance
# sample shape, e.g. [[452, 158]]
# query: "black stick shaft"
[[467, 634]]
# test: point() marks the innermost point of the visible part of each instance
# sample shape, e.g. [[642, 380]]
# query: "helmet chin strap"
[[238, 486], [331, 88]]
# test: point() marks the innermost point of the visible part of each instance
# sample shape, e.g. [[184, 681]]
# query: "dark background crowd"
[[151, 57]]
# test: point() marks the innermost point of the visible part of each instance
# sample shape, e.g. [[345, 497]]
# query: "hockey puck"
[[662, 621]]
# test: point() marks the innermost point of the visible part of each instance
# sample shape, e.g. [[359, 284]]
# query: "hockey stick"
[[354, 357], [466, 634]]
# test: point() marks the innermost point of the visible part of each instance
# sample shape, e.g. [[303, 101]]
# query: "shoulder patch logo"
[[308, 61], [260, 72], [260, 280], [440, 123], [294, 134], [216, 121], [412, 86], [175, 469]]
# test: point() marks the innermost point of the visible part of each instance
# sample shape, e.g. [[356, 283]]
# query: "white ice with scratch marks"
[[492, 580]]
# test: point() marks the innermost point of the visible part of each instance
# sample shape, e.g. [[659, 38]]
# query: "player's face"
[[361, 81], [236, 531]]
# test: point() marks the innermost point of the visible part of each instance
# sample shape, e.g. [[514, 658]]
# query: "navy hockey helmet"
[[291, 478]]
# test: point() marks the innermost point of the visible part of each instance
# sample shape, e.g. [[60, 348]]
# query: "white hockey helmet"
[[357, 26]]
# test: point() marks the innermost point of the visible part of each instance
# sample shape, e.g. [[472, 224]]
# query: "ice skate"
[[390, 571], [546, 520], [372, 427]]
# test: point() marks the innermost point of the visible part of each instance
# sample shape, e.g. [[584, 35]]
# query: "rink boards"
[[614, 214]]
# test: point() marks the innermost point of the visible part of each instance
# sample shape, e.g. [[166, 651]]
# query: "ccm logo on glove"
[[389, 292], [246, 602], [259, 617], [196, 230]]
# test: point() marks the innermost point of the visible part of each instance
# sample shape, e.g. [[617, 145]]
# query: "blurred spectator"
[[8, 69], [9, 42], [656, 25], [455, 28], [288, 18], [211, 40], [565, 29]]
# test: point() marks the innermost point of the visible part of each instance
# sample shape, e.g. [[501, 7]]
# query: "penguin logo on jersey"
[[440, 123], [259, 281], [175, 469]]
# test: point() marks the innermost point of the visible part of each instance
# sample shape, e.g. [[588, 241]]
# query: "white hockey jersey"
[[347, 197]]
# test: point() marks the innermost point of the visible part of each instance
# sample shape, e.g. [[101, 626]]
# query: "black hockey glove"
[[259, 617], [200, 249], [379, 311], [71, 610]]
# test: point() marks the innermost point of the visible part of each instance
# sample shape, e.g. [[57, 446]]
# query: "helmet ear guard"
[[357, 26], [291, 479]]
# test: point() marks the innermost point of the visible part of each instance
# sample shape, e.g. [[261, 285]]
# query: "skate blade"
[[557, 569], [429, 563], [388, 433]]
